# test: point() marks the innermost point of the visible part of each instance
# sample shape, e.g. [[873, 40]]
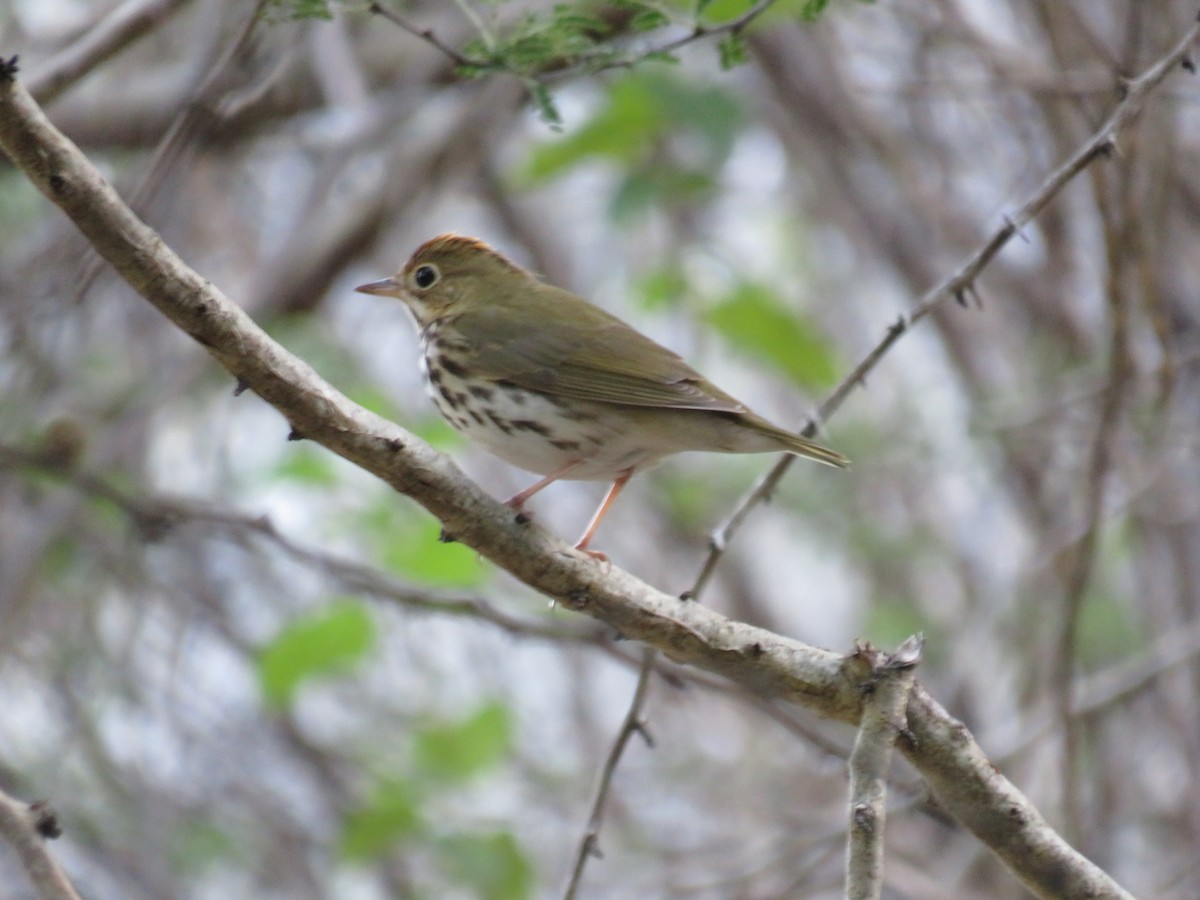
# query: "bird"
[[557, 386]]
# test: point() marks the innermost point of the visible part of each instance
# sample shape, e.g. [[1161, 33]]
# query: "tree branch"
[[589, 845], [102, 40], [889, 681], [966, 783], [26, 828]]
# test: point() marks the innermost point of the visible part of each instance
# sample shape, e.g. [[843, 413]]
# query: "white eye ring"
[[425, 276]]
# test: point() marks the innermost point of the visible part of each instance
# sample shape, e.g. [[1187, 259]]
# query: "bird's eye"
[[425, 276]]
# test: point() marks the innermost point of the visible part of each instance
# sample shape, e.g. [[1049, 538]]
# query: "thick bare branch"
[[888, 684]]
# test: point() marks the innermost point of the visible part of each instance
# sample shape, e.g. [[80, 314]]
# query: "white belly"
[[535, 433]]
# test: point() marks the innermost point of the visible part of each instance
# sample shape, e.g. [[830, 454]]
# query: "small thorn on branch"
[[907, 655], [45, 819], [1187, 65], [1013, 228], [968, 295], [592, 846], [640, 729], [9, 68], [240, 388]]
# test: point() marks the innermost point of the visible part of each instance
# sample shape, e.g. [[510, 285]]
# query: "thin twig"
[[427, 35], [101, 41], [1080, 559], [589, 840], [699, 31], [1112, 686], [958, 284], [196, 114], [26, 827]]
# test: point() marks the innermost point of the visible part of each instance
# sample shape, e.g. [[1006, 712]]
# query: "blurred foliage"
[[391, 813], [299, 10], [667, 137], [754, 320], [492, 864], [444, 755], [456, 751], [129, 637], [329, 642], [661, 287], [199, 844], [1109, 630], [892, 620], [412, 546], [307, 465]]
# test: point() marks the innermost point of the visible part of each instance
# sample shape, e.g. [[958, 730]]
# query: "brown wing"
[[585, 354]]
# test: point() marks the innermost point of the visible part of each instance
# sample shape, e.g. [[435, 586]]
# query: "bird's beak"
[[388, 287]]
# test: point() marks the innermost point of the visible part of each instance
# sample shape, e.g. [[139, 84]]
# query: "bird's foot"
[[598, 555], [517, 505]]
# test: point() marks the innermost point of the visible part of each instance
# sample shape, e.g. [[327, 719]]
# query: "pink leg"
[[517, 501], [617, 485]]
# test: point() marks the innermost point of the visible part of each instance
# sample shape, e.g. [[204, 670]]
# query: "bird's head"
[[450, 275]]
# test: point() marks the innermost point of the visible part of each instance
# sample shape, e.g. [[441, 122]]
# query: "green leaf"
[[321, 644], [197, 844], [413, 548], [812, 9], [892, 620], [297, 10], [661, 56], [709, 113], [662, 287], [544, 101], [458, 750], [438, 433], [569, 22], [753, 319], [368, 396], [490, 864], [656, 186], [643, 110], [619, 131], [732, 50], [306, 466], [648, 19], [392, 814], [718, 12]]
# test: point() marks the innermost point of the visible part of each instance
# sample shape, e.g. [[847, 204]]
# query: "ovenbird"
[[552, 384]]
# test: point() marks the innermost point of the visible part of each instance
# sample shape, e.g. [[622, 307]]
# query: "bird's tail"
[[804, 447]]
